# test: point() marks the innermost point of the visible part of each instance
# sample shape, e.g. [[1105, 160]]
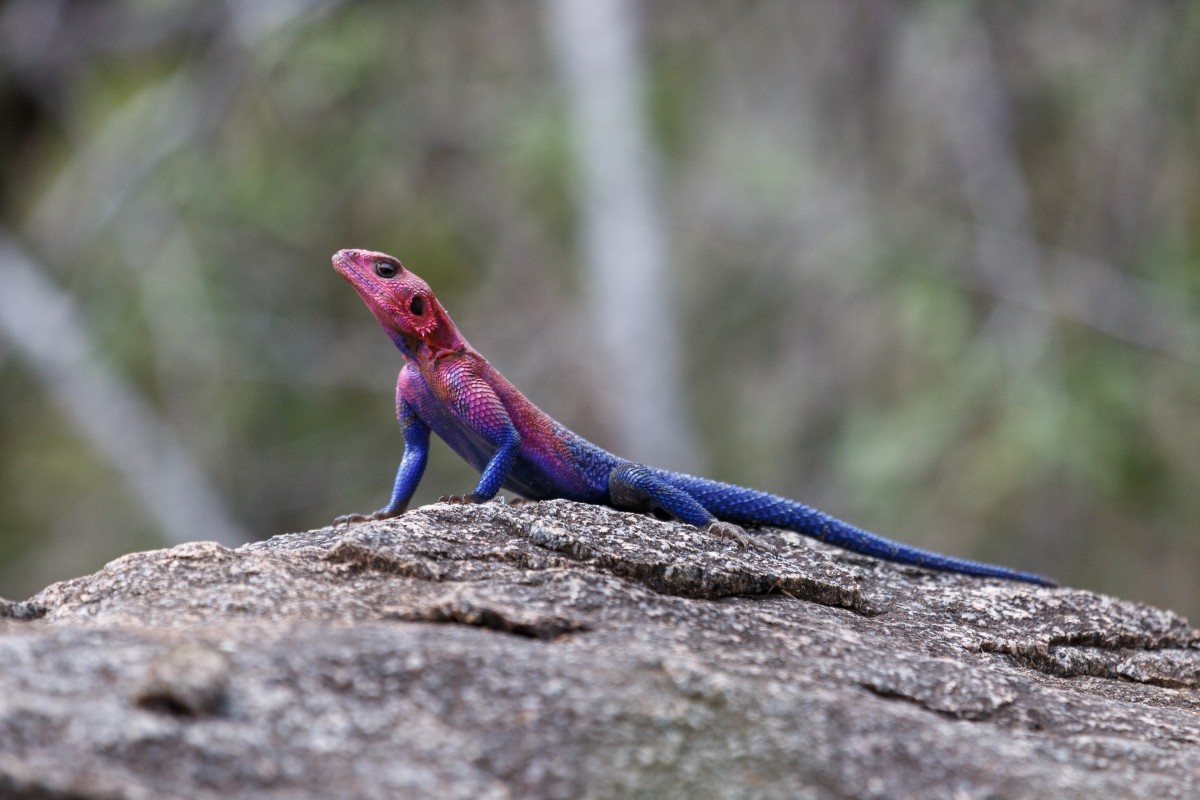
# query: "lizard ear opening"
[[417, 305]]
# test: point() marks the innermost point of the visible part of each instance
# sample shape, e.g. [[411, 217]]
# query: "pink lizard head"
[[402, 303]]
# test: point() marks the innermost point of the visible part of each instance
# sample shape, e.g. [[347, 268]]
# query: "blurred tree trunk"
[[632, 310]]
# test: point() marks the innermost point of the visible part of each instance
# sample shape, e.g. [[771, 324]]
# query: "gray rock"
[[558, 650]]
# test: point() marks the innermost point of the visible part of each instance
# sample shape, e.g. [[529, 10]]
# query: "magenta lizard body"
[[450, 389]]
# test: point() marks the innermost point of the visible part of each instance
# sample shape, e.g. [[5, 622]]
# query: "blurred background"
[[931, 267]]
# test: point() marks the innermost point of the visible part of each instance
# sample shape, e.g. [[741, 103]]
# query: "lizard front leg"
[[477, 407], [633, 487], [412, 465], [496, 471]]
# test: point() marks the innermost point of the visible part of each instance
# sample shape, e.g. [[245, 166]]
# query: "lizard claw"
[[458, 499], [348, 519], [727, 530]]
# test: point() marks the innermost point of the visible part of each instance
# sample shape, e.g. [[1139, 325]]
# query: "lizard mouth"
[[345, 265]]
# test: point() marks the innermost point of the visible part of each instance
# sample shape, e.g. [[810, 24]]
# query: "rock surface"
[[558, 650]]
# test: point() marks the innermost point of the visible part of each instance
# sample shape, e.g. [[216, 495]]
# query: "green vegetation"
[[937, 266]]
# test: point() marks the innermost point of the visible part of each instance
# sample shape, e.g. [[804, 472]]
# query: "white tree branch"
[[45, 329]]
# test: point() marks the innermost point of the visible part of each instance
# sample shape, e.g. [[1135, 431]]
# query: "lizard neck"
[[436, 340]]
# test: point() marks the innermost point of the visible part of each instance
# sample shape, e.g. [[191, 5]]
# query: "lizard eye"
[[417, 305], [385, 270]]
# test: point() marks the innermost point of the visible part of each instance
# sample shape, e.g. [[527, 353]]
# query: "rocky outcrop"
[[560, 650]]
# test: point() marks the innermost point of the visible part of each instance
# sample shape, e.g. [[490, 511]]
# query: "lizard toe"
[[727, 530]]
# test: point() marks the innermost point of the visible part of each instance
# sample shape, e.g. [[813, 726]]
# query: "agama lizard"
[[447, 387]]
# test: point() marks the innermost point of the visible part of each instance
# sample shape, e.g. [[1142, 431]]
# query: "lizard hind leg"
[[633, 487]]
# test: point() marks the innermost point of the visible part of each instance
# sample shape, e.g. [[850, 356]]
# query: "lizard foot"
[[458, 499], [727, 530], [347, 519]]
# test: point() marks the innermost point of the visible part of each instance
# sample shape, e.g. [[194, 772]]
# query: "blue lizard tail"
[[744, 506]]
